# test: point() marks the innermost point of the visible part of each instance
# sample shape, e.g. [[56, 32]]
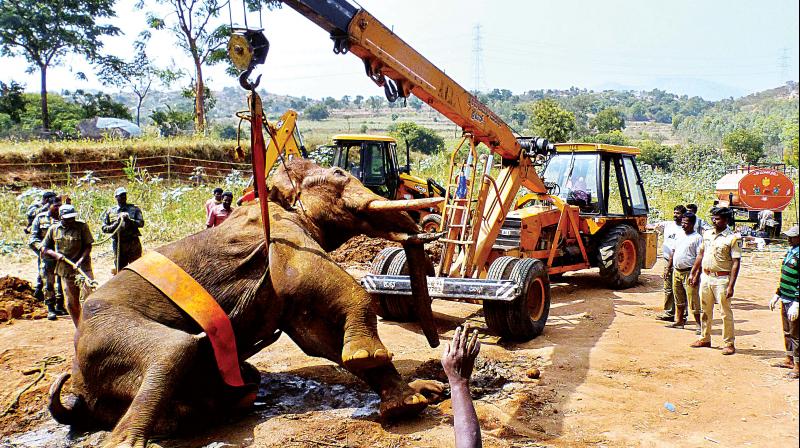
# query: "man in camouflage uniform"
[[41, 224], [71, 240], [30, 214], [124, 220]]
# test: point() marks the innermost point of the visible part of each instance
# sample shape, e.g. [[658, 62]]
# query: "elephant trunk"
[[69, 413], [418, 269]]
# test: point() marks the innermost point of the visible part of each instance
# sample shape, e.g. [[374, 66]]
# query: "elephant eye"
[[339, 172]]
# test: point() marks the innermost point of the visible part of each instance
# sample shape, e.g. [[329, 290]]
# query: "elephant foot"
[[365, 353], [405, 402]]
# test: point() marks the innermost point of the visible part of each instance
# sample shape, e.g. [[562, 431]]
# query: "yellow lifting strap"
[[192, 298]]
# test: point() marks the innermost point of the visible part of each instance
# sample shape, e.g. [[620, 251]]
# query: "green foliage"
[[417, 137], [65, 115], [551, 121], [745, 144], [226, 132], [615, 137], [12, 102], [655, 154], [374, 102], [171, 122], [608, 120], [363, 129], [316, 112], [139, 74], [789, 138], [44, 32], [98, 105]]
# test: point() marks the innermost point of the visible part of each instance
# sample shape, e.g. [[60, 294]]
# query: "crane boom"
[[394, 65]]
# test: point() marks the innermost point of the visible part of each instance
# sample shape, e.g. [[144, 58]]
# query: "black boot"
[[59, 308], [51, 311], [38, 294]]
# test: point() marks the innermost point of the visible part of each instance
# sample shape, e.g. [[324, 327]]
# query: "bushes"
[[316, 112], [417, 137]]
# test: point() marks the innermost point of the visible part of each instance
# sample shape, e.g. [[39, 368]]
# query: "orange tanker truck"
[[758, 194]]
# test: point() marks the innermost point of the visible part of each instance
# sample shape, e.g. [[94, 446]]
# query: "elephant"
[[144, 368]]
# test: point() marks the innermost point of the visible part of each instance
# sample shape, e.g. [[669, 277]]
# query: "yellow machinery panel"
[[650, 249]]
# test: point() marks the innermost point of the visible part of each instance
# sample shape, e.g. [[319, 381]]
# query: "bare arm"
[[458, 361], [734, 274], [697, 266]]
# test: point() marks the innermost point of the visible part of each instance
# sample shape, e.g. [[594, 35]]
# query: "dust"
[[17, 300]]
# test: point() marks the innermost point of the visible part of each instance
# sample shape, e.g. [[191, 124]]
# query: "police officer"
[[718, 261], [69, 239], [124, 221], [30, 213], [41, 224]]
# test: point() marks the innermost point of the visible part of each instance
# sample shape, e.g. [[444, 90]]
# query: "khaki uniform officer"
[[72, 240], [718, 258]]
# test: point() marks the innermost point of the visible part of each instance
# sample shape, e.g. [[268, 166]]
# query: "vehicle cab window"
[[576, 177]]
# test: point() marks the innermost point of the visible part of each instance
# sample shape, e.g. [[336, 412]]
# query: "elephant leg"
[[168, 363], [318, 337], [330, 309]]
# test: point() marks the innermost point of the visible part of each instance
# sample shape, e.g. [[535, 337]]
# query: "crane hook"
[[245, 82]]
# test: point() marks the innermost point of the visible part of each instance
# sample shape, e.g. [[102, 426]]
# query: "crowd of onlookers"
[[701, 267]]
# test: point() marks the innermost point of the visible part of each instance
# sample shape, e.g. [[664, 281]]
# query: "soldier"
[[718, 260], [124, 221], [30, 213], [41, 224], [71, 240]]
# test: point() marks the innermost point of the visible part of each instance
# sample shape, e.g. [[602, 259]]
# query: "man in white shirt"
[[681, 262], [700, 225], [671, 231]]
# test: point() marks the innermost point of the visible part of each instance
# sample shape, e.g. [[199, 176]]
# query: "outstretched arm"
[[458, 361]]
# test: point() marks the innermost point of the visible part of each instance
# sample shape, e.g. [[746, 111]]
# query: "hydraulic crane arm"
[[400, 70]]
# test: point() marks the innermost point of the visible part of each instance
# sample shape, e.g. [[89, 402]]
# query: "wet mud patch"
[[289, 393]]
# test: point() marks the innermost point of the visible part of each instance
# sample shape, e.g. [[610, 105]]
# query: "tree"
[[199, 38], [138, 75], [746, 145], [43, 32], [417, 137], [98, 104], [790, 140], [12, 102], [549, 120], [655, 154], [608, 120], [359, 99], [316, 112], [374, 102]]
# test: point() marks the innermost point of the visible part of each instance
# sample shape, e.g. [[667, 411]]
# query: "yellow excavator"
[[372, 159], [585, 204]]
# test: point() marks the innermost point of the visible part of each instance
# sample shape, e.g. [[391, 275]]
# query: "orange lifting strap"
[[192, 298]]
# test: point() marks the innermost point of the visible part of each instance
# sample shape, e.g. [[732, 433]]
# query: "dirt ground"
[[607, 371]]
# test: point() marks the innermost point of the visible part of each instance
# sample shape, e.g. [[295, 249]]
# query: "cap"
[[49, 194], [218, 190], [119, 191], [794, 231], [67, 211]]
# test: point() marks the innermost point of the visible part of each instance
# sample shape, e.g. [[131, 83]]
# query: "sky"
[[710, 48]]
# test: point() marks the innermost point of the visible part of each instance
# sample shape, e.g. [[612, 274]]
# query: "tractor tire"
[[398, 308], [523, 318], [431, 223], [620, 257]]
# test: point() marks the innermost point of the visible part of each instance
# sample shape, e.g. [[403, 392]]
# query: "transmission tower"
[[477, 58]]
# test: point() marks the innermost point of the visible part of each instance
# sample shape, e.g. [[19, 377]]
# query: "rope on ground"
[[41, 367]]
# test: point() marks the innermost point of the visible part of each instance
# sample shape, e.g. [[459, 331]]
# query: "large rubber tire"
[[392, 261], [431, 223], [523, 318], [620, 257]]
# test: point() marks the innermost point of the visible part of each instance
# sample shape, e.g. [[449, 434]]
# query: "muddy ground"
[[607, 371]]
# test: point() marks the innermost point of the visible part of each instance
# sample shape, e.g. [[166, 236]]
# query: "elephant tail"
[[70, 412]]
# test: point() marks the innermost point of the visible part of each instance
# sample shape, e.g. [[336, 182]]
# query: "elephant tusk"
[[405, 204]]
